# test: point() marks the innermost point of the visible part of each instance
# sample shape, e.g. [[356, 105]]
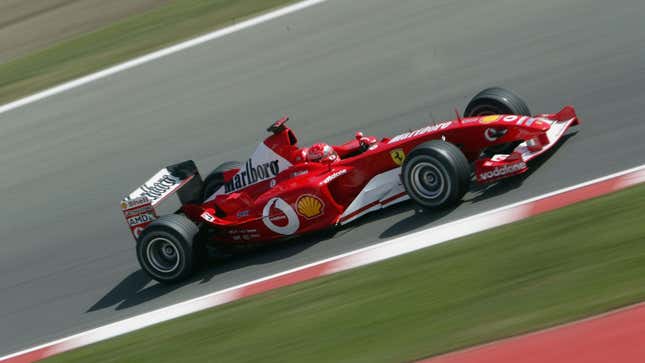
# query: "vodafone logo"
[[288, 227], [492, 133], [502, 170]]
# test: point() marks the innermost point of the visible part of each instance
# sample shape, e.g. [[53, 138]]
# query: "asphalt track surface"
[[67, 261]]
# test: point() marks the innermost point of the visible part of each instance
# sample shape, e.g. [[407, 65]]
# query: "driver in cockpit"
[[322, 153]]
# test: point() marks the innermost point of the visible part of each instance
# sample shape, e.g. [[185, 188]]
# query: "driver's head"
[[321, 153]]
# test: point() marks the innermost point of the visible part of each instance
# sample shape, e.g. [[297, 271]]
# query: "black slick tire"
[[436, 174], [165, 248], [496, 101]]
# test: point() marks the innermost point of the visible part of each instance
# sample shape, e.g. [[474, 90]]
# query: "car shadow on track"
[[136, 288]]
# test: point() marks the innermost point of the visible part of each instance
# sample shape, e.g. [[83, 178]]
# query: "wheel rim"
[[427, 180], [163, 255]]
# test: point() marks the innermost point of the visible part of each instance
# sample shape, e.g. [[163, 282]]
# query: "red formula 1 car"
[[284, 190]]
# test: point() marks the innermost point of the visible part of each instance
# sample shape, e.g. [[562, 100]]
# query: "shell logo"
[[489, 119], [310, 206]]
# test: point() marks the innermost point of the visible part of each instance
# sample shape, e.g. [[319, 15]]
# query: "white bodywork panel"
[[382, 190], [159, 187], [554, 134], [264, 164]]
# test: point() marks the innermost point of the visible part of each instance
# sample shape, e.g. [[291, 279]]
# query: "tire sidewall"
[[184, 254], [498, 101], [449, 178], [492, 108]]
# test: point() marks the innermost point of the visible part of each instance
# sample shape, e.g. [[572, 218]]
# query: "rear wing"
[[140, 207]]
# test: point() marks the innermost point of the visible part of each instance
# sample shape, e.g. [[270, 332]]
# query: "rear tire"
[[165, 248], [496, 101], [215, 179], [436, 174]]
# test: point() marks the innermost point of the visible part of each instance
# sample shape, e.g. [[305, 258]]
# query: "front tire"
[[436, 174], [496, 101], [165, 248]]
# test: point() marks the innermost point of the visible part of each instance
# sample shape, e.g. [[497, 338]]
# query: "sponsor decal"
[[489, 135], [298, 173], [158, 188], [522, 120], [134, 203], [141, 219], [263, 166], [470, 120], [141, 210], [333, 176], [242, 231], [242, 214], [287, 212], [281, 217], [252, 174], [498, 157], [138, 213], [489, 119], [247, 237], [398, 156], [502, 171], [310, 206], [207, 217], [492, 134], [420, 132]]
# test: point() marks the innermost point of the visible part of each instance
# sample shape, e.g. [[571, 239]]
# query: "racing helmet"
[[321, 153]]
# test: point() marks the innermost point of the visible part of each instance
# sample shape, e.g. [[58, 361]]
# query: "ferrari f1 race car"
[[285, 190]]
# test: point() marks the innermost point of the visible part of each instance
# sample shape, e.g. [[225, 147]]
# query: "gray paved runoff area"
[[67, 261]]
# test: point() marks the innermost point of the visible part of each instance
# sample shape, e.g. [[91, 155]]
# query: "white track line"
[[158, 54], [378, 252]]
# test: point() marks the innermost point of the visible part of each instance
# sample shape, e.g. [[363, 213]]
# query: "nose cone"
[[535, 124]]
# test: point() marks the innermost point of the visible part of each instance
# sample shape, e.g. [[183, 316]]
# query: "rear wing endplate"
[[140, 207]]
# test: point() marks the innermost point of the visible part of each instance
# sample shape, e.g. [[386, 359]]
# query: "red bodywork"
[[309, 196]]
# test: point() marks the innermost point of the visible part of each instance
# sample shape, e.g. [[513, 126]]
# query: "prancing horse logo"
[[398, 156]]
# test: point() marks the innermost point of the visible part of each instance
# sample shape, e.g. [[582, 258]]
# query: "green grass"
[[557, 267], [122, 41]]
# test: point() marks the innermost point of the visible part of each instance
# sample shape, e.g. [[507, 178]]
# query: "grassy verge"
[[122, 41], [561, 266]]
